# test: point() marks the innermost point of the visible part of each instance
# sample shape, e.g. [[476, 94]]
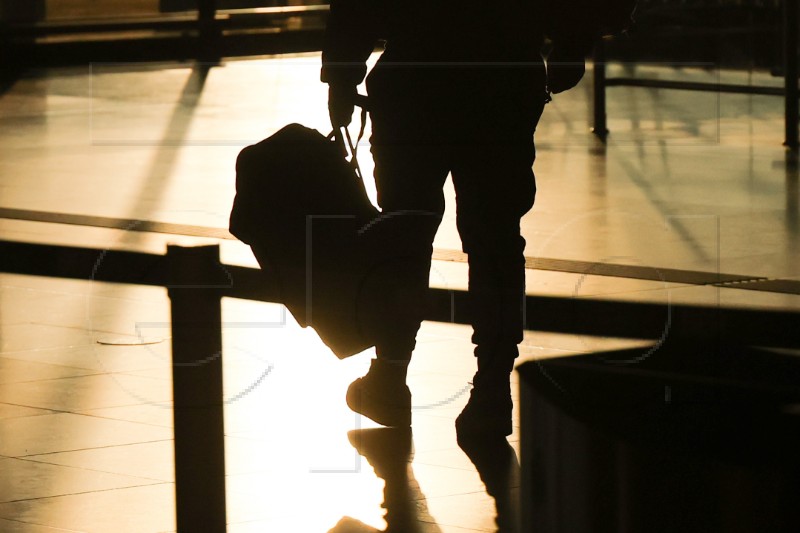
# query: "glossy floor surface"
[[688, 181]]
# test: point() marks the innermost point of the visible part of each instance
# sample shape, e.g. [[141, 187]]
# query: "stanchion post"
[[790, 20], [195, 280], [599, 69], [208, 30]]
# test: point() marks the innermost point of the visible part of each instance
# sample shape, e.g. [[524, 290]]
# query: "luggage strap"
[[336, 134]]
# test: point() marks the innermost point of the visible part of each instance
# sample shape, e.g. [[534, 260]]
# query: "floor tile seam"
[[95, 373], [84, 414], [54, 528], [435, 522], [38, 350], [423, 497], [57, 365], [2, 504], [31, 289], [52, 348], [83, 295], [111, 446], [125, 299], [71, 329], [608, 295], [80, 328], [52, 411], [28, 381], [82, 468], [437, 449], [456, 495], [91, 330], [141, 372], [78, 294], [427, 463], [87, 413]]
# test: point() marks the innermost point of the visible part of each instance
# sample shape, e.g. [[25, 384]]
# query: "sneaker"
[[381, 396], [488, 412]]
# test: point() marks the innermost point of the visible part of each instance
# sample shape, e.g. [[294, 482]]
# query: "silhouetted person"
[[459, 89]]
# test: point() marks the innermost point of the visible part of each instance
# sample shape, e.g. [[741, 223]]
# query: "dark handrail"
[[224, 18], [196, 281], [790, 92], [577, 316]]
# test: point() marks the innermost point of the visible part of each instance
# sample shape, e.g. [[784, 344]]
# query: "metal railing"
[[196, 281], [207, 34], [789, 91]]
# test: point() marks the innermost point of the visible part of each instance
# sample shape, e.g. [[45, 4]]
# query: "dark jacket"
[[444, 32], [426, 32]]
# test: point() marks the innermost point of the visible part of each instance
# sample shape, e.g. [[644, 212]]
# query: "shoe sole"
[[480, 421], [363, 403]]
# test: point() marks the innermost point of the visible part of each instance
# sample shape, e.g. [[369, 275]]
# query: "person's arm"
[[350, 38]]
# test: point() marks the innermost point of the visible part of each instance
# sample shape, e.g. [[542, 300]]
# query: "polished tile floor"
[[692, 181]]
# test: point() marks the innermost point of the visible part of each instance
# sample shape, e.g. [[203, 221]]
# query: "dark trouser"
[[477, 124]]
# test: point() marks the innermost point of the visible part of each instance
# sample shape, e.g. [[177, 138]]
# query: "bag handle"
[[336, 136]]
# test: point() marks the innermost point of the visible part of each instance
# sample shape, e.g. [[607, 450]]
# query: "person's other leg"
[[409, 179], [492, 195], [495, 186]]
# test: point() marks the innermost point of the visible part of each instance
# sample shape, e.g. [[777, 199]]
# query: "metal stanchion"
[[599, 67], [196, 280], [790, 20], [208, 30]]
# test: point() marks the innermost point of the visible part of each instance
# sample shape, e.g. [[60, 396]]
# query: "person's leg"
[[409, 173], [409, 179], [495, 186], [492, 194]]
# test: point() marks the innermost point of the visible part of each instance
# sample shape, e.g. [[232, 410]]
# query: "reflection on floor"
[[687, 181]]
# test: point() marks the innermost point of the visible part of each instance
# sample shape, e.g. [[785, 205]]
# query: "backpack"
[[299, 205]]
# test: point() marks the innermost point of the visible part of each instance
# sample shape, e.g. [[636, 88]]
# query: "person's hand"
[[341, 102], [564, 71]]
